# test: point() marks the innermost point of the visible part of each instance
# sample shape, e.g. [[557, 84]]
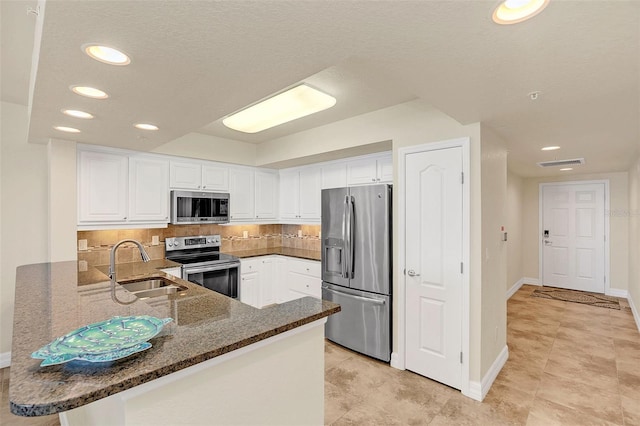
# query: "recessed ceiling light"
[[67, 129], [550, 148], [514, 11], [77, 113], [295, 103], [566, 169], [146, 126], [89, 92], [106, 54]]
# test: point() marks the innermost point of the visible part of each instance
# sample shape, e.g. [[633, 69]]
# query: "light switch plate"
[[155, 240], [82, 245], [82, 265]]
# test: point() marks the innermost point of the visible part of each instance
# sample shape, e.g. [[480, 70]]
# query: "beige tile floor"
[[569, 364]]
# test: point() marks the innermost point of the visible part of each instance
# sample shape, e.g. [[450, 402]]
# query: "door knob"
[[412, 273]]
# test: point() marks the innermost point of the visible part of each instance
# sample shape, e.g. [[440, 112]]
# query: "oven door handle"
[[211, 268]]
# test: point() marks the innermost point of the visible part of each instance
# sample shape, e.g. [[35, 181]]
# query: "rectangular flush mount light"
[[295, 103]]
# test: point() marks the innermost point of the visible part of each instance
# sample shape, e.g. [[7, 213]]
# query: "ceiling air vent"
[[561, 163]]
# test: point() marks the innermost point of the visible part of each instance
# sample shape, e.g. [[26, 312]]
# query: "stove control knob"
[[176, 243], [170, 244]]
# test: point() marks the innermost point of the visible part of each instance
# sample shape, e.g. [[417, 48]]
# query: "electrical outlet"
[[83, 266], [155, 240], [82, 245]]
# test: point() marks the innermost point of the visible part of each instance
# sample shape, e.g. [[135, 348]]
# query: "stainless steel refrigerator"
[[356, 267]]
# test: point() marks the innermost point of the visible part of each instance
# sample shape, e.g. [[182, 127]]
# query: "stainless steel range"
[[203, 264]]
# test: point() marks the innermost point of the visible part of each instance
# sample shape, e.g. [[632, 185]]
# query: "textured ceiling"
[[195, 62]]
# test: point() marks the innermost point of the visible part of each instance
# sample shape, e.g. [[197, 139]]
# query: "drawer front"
[[250, 265], [305, 267], [305, 284]]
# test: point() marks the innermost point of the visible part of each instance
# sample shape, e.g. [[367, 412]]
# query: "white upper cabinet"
[[266, 195], [310, 193], [300, 193], [102, 187], [370, 170], [195, 175], [334, 175], [242, 194], [215, 178], [148, 189]]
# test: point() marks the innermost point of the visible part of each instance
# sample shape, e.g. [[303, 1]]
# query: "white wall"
[[515, 212], [619, 224], [24, 226], [63, 222], [198, 145], [494, 249], [634, 237]]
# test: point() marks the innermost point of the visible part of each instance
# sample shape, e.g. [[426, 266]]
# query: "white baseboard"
[[514, 288], [636, 314], [520, 283], [5, 359], [616, 292], [396, 362], [478, 390]]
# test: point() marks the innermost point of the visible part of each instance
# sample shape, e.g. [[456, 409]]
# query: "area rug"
[[591, 299]]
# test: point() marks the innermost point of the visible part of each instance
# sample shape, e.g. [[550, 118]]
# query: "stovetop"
[[197, 250], [203, 258]]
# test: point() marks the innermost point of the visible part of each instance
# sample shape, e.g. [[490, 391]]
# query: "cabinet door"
[[361, 171], [385, 169], [176, 271], [241, 190], [249, 288], [289, 184], [279, 278], [267, 293], [310, 193], [102, 187], [185, 175], [215, 178], [148, 189], [334, 176], [266, 195]]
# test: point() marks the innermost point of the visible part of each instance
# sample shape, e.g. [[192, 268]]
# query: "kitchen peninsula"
[[219, 362]]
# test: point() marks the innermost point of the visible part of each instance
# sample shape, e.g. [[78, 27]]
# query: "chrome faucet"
[[112, 257]]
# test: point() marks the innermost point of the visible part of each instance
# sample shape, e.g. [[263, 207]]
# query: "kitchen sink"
[[143, 288]]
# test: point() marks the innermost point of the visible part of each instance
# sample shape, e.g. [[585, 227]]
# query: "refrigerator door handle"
[[345, 233], [353, 296], [352, 246]]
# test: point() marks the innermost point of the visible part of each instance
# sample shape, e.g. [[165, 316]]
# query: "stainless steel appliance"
[[189, 207], [203, 264], [356, 267]]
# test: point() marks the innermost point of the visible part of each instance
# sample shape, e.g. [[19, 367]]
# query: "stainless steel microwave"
[[190, 207]]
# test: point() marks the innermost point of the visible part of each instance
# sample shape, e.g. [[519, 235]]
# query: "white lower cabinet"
[[303, 279], [266, 280]]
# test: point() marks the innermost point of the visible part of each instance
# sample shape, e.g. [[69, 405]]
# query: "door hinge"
[[460, 357], [462, 178], [461, 268]]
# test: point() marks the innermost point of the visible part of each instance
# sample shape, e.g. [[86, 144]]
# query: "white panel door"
[[289, 199], [310, 193], [573, 236], [185, 175], [215, 178], [433, 279], [242, 194]]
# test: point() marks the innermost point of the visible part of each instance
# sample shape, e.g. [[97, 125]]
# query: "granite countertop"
[[53, 299], [284, 251]]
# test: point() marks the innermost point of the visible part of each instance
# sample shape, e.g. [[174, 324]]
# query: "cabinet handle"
[[204, 186], [125, 217], [373, 179]]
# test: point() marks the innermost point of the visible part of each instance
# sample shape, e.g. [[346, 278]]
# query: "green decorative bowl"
[[103, 341]]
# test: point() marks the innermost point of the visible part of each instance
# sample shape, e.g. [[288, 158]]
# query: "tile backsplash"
[[99, 243]]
